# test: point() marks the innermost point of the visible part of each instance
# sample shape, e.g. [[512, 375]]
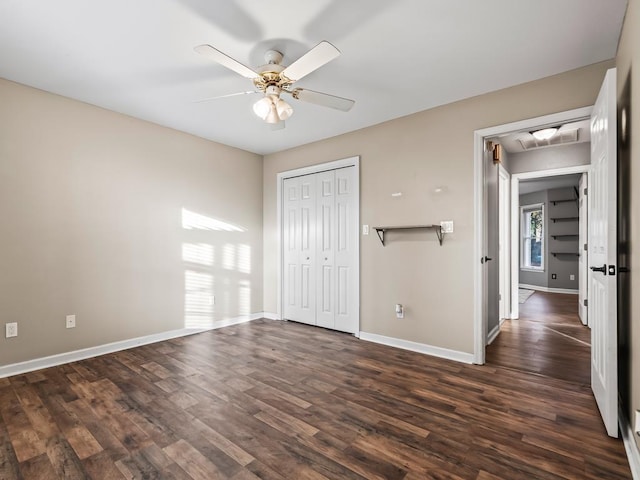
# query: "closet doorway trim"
[[322, 167]]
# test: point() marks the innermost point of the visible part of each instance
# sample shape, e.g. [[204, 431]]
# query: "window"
[[532, 246]]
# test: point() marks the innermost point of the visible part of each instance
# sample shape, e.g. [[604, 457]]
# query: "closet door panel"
[[325, 221], [346, 239], [299, 250], [291, 260]]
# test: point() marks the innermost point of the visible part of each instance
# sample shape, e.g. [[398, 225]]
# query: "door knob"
[[602, 269]]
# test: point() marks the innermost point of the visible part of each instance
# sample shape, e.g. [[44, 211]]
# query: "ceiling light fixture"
[[545, 133], [271, 108]]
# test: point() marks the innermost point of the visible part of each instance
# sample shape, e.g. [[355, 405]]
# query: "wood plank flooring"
[[548, 339], [280, 400]]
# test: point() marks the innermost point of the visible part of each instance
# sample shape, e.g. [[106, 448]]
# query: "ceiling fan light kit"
[[273, 79]]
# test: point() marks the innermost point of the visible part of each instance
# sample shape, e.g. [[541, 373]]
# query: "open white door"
[[602, 309]]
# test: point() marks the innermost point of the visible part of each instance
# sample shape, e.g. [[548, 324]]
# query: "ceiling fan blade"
[[323, 99], [225, 60], [225, 96], [319, 55]]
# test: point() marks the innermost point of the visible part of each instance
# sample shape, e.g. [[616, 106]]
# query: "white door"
[[299, 249], [491, 239], [346, 246], [320, 235], [602, 311], [326, 282], [583, 263]]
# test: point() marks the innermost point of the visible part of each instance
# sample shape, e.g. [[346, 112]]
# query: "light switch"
[[447, 226], [365, 229]]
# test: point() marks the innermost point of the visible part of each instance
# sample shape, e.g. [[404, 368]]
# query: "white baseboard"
[[630, 446], [570, 291], [493, 333], [271, 316], [418, 347], [74, 356]]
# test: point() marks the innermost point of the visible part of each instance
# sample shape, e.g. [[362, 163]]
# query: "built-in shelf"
[[564, 200], [573, 254], [382, 230], [565, 219], [565, 235]]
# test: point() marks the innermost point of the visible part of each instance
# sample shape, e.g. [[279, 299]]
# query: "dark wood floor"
[[279, 400], [548, 339]]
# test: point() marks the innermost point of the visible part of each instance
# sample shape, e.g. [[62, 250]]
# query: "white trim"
[[321, 167], [479, 320], [74, 356], [478, 218], [504, 205], [271, 316], [418, 347], [630, 446], [494, 333], [538, 288]]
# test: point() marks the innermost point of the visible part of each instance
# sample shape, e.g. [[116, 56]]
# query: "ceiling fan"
[[273, 79]]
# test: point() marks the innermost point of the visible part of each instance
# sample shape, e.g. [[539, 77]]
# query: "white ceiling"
[[398, 57]]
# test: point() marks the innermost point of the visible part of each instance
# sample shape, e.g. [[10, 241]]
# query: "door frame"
[[504, 276], [479, 137], [515, 220], [320, 167]]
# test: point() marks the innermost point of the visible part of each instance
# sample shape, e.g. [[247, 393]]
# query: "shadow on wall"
[[217, 270]]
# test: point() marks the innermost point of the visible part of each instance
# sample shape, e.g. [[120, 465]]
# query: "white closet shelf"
[[382, 230]]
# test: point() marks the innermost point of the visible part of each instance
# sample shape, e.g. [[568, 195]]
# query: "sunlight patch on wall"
[[196, 221], [198, 299], [244, 258], [200, 253], [229, 256], [244, 297]]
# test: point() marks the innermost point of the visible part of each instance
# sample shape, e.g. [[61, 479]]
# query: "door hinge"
[[584, 191], [584, 247], [586, 302]]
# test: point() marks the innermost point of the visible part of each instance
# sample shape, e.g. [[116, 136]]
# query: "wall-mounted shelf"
[[565, 235], [382, 230], [565, 219], [573, 254], [563, 200]]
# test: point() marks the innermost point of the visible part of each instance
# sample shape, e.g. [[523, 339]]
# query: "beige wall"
[[91, 204], [414, 155], [628, 59]]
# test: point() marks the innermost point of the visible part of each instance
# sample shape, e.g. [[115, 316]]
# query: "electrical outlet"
[[399, 310], [11, 329], [554, 276], [447, 226], [71, 321], [572, 277], [365, 229]]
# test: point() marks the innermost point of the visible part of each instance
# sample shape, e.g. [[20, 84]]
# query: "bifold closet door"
[[299, 249], [320, 235]]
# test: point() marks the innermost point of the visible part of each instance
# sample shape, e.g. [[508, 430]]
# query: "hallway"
[[548, 339]]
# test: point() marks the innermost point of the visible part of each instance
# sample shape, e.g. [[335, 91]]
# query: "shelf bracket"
[[380, 232]]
